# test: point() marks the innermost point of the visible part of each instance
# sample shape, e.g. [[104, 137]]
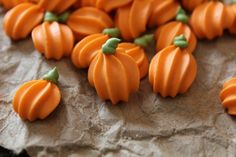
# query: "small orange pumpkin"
[[21, 20], [53, 39], [113, 73], [210, 19], [167, 32], [163, 11], [88, 20], [132, 19], [106, 5], [190, 5], [57, 6], [173, 69], [228, 97], [37, 99]]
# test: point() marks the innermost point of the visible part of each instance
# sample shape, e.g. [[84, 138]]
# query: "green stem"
[[233, 1], [51, 17], [182, 16], [145, 40], [180, 41], [52, 76], [112, 32], [110, 46]]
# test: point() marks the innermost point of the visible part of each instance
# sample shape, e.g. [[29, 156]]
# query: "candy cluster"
[[109, 39]]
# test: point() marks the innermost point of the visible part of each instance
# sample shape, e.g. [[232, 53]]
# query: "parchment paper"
[[194, 124]]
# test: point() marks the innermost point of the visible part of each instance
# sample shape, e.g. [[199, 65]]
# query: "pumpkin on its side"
[[37, 99], [21, 20]]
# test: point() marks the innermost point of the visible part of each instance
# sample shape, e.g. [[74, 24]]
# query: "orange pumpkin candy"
[[172, 70], [21, 20], [228, 97], [163, 11], [166, 33], [88, 20], [36, 99], [54, 40], [88, 48], [132, 19], [106, 5], [114, 74], [57, 6], [190, 5], [210, 19]]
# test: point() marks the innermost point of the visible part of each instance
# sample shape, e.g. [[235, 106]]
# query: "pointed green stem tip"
[[52, 76], [110, 46], [145, 40], [112, 32], [51, 17], [180, 41], [182, 16]]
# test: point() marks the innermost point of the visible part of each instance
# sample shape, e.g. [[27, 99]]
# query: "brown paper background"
[[193, 124]]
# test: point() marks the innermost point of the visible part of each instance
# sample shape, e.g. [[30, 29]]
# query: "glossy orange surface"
[[36, 99], [163, 11], [8, 4], [88, 20], [172, 71], [132, 19], [228, 96], [54, 40], [114, 76], [57, 6], [21, 20], [210, 19], [166, 33], [190, 5], [85, 50], [106, 5], [139, 55]]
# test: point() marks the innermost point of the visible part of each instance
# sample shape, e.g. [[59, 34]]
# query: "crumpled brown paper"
[[193, 124]]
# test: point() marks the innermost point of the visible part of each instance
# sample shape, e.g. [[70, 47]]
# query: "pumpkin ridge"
[[46, 40], [227, 91]]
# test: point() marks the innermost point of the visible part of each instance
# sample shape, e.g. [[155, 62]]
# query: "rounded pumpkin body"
[[228, 96], [166, 34], [88, 20], [57, 6], [139, 55], [190, 5], [54, 40], [114, 76], [172, 71], [132, 19], [210, 19], [8, 4], [106, 5], [163, 11], [36, 99], [21, 20], [85, 50]]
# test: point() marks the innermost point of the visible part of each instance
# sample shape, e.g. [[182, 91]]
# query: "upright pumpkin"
[[21, 20], [210, 19], [173, 69], [88, 20], [37, 99], [166, 33], [163, 11], [190, 5], [52, 38], [132, 19], [85, 50], [57, 6], [113, 73], [106, 5], [228, 96]]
